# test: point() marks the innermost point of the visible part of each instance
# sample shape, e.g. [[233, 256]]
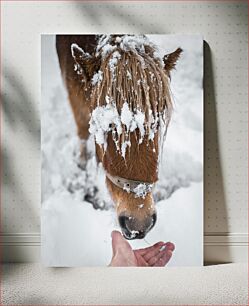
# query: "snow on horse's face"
[[130, 108]]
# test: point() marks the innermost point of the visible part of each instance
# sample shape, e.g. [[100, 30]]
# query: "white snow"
[[76, 234], [128, 75], [103, 46], [135, 43], [126, 116], [142, 189], [74, 48], [107, 49], [133, 234], [97, 78], [139, 118], [118, 39], [124, 147], [126, 42], [102, 119], [113, 62], [106, 118]]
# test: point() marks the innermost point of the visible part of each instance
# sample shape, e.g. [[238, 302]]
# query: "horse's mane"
[[132, 73]]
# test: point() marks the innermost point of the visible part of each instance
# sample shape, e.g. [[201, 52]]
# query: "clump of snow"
[[107, 49], [102, 120], [78, 69], [118, 39], [140, 206], [142, 189], [134, 43], [134, 234], [139, 118], [126, 116], [153, 124], [107, 99], [106, 118], [128, 75], [124, 146], [113, 62], [97, 78], [103, 47]]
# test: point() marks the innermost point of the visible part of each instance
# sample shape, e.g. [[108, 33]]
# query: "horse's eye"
[[128, 185]]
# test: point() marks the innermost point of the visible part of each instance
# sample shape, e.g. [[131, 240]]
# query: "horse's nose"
[[133, 228]]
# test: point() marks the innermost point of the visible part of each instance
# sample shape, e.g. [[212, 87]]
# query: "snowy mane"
[[130, 91]]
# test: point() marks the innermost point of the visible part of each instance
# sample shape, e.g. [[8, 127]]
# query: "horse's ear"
[[171, 59], [83, 61]]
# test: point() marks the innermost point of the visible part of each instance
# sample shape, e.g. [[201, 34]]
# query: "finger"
[[170, 246], [164, 259], [151, 248], [154, 251], [164, 249], [140, 260]]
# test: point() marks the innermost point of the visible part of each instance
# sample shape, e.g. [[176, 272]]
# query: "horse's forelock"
[[138, 79]]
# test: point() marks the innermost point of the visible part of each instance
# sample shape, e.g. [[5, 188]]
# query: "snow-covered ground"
[[74, 233]]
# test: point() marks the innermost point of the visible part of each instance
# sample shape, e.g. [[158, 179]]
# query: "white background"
[[222, 24]]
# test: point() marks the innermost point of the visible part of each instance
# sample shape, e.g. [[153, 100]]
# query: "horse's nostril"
[[122, 221], [154, 217]]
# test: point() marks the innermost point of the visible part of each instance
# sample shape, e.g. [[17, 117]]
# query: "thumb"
[[117, 239]]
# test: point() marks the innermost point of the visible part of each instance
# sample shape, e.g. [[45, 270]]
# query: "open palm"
[[157, 255]]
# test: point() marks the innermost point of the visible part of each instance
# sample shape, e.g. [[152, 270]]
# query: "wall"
[[223, 25]]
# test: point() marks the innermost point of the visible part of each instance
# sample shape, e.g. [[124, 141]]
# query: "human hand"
[[157, 255]]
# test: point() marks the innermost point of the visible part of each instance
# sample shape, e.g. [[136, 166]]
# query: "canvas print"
[[122, 150]]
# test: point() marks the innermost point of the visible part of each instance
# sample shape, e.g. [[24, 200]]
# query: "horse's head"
[[131, 108]]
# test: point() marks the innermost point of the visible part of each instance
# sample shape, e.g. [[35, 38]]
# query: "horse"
[[119, 91]]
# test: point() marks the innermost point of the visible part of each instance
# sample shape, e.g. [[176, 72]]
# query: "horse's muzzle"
[[132, 228]]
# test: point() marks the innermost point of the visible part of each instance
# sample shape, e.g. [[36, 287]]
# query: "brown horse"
[[119, 90]]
